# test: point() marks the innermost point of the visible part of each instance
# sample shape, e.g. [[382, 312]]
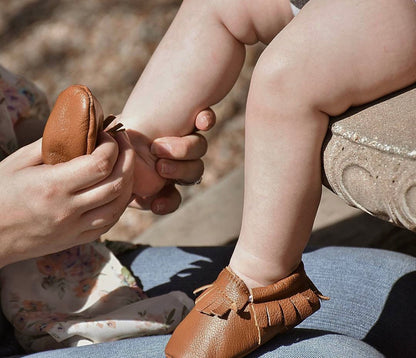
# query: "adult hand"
[[49, 208], [179, 160]]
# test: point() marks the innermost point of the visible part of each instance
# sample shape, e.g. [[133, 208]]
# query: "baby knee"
[[276, 77], [286, 79], [280, 93]]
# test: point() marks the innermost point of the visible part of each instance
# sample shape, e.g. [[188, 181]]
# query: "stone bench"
[[369, 158]]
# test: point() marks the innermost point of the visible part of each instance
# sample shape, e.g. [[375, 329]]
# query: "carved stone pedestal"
[[369, 158]]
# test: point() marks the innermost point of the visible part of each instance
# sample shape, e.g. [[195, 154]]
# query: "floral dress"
[[79, 296], [19, 100]]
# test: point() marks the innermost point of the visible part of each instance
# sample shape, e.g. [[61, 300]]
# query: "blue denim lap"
[[372, 296]]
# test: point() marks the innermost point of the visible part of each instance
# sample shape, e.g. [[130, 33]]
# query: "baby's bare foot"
[[147, 181]]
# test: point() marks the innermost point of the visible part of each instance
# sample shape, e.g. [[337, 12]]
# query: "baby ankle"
[[261, 276]]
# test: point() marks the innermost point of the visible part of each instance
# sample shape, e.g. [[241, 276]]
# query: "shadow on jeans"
[[388, 335], [200, 273]]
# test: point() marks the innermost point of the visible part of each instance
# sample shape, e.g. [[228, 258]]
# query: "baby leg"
[[194, 67], [333, 55]]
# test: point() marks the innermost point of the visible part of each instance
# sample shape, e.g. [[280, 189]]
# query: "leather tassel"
[[305, 305], [215, 303], [289, 311]]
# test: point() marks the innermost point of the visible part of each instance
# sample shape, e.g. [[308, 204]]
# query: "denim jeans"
[[371, 312]]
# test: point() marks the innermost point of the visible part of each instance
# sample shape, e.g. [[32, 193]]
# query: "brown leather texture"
[[72, 126], [230, 320]]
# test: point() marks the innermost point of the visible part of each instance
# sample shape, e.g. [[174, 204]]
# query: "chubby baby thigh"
[[340, 53]]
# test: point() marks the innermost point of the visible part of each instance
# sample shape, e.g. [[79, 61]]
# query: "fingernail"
[[160, 148], [159, 207], [205, 121], [167, 168]]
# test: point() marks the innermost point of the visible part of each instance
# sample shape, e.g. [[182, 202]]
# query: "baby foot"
[[231, 320], [147, 181]]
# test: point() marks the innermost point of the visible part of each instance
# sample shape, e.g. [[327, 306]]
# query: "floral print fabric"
[[19, 100], [79, 296]]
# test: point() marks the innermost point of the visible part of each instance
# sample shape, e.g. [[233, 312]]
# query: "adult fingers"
[[119, 183], [167, 201], [142, 203], [205, 120], [27, 156], [106, 215], [92, 235], [190, 147], [164, 202], [187, 171], [88, 170]]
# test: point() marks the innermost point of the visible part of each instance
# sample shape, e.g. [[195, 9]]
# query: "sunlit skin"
[[333, 55], [48, 208]]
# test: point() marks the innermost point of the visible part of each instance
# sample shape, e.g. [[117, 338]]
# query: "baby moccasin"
[[73, 126], [230, 320]]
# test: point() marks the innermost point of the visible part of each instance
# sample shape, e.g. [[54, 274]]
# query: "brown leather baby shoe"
[[73, 126], [230, 320]]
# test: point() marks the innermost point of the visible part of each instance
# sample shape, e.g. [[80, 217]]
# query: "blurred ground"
[[105, 44]]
